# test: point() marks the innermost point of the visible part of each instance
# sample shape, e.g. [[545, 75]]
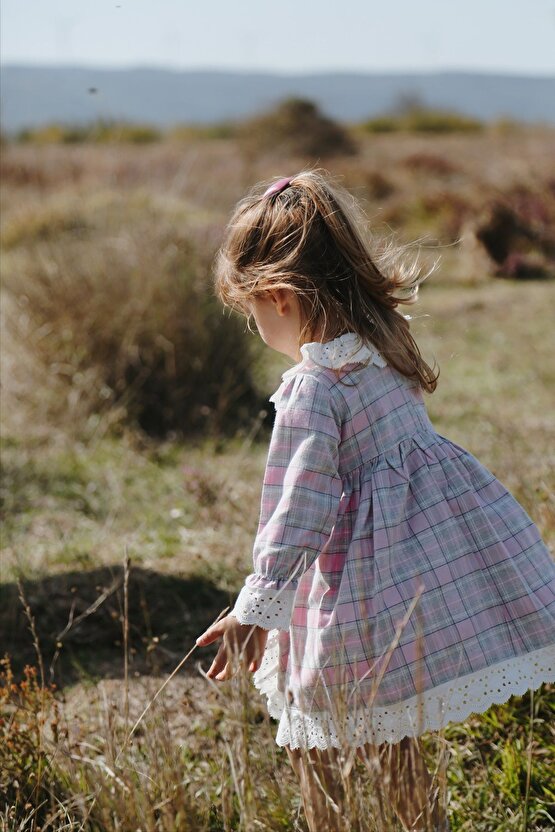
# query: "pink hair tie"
[[278, 186]]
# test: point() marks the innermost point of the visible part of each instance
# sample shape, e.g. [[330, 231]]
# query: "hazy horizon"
[[275, 72]]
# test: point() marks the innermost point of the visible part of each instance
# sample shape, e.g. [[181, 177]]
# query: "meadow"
[[135, 424]]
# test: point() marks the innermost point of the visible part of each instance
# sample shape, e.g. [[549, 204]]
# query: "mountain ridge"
[[33, 95]]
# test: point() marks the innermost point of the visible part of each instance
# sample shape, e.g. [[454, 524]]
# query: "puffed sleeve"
[[300, 500]]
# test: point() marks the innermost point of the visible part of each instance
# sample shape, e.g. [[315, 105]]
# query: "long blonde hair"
[[311, 238]]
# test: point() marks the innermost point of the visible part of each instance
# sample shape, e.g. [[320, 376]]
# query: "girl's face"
[[278, 319]]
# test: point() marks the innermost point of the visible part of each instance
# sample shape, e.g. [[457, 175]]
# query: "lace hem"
[[268, 608], [450, 702]]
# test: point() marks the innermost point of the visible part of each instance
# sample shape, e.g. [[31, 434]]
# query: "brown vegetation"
[[516, 230], [106, 253], [296, 128]]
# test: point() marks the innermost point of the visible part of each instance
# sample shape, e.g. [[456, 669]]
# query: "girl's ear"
[[281, 300]]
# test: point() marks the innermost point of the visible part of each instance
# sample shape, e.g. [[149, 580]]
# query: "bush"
[[48, 134], [430, 164], [28, 782], [440, 121], [105, 131], [202, 132], [123, 133], [382, 124], [32, 226], [423, 120], [126, 327], [296, 128], [516, 230], [101, 131], [444, 211], [378, 185]]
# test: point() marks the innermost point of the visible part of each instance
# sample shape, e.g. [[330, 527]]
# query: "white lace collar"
[[346, 349]]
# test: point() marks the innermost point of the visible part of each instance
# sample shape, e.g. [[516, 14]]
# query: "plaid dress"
[[403, 585]]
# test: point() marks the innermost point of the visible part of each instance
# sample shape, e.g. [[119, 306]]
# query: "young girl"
[[397, 585]]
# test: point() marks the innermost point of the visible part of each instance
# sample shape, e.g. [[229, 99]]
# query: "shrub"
[[22, 173], [296, 127], [124, 133], [202, 132], [378, 185], [440, 121], [516, 230], [32, 226], [28, 781], [382, 124], [100, 131], [369, 183], [430, 164], [47, 134], [423, 120], [126, 327], [444, 211], [532, 266]]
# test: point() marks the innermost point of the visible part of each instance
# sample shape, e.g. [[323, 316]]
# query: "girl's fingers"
[[223, 666], [213, 633], [241, 643], [226, 673], [218, 664]]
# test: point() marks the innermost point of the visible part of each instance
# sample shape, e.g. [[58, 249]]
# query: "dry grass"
[[107, 754], [115, 302], [204, 757]]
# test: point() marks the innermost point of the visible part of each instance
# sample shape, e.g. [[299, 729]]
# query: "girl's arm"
[[300, 500]]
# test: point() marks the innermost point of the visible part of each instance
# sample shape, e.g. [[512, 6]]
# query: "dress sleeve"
[[300, 501]]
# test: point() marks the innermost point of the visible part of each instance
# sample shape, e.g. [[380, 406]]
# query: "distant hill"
[[35, 95]]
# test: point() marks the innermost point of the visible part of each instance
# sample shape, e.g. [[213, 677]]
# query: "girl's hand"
[[245, 642]]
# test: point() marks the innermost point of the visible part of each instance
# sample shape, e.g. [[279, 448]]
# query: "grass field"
[[126, 546]]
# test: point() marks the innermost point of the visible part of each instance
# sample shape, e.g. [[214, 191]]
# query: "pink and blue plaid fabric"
[[365, 507]]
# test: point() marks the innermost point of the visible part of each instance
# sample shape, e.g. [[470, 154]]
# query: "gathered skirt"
[[435, 599]]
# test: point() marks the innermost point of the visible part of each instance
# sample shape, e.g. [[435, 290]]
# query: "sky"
[[510, 36]]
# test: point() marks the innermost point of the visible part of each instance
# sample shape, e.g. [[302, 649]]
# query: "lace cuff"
[[268, 608]]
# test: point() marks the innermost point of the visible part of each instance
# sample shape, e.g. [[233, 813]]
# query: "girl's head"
[[308, 239]]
